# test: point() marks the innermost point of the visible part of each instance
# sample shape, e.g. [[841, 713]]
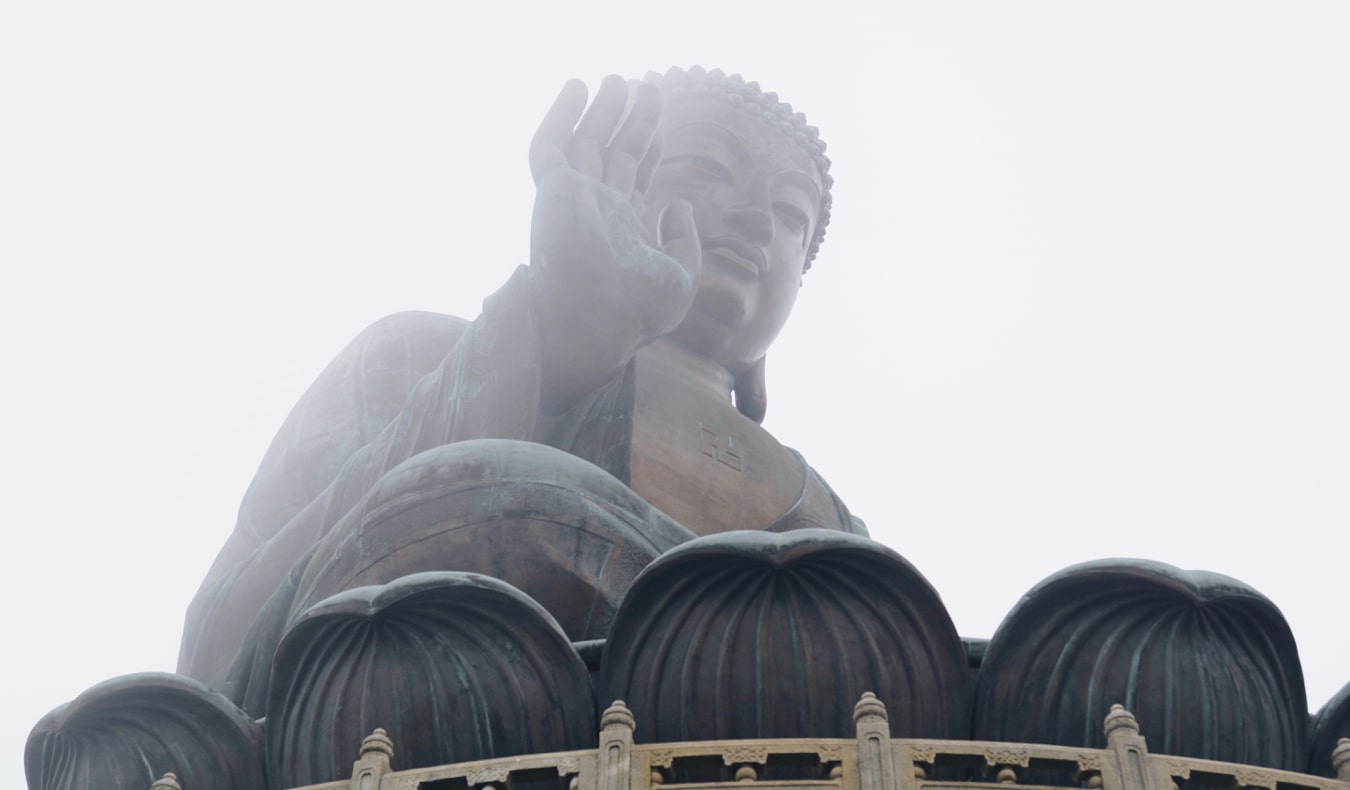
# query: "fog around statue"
[[672, 225], [476, 534]]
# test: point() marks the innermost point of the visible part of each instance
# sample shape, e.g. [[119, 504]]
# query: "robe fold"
[[379, 471]]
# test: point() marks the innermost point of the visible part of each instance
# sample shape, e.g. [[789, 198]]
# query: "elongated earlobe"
[[752, 399]]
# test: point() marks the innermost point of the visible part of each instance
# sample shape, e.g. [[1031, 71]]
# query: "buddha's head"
[[758, 180]]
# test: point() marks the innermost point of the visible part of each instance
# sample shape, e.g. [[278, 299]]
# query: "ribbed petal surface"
[[1332, 724], [125, 733], [454, 666], [1207, 665], [759, 635]]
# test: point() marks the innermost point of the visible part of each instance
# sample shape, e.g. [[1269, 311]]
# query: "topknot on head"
[[768, 108]]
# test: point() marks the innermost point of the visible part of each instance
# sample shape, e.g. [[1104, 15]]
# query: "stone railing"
[[871, 761]]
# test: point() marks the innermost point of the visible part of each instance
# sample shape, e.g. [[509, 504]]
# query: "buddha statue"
[[476, 535], [623, 366]]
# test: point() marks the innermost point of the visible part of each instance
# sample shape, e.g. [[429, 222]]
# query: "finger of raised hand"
[[586, 149], [549, 146], [633, 139], [647, 167], [677, 236]]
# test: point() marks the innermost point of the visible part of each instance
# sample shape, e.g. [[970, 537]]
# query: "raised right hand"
[[588, 242]]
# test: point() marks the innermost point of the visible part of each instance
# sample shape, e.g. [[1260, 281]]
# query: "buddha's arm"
[[601, 290], [485, 387], [594, 294]]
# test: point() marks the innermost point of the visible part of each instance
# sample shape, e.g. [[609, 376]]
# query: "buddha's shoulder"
[[418, 327]]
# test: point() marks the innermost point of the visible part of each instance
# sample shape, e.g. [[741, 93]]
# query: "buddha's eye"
[[792, 216], [702, 166]]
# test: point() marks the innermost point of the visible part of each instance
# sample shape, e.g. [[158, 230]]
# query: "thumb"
[[677, 236]]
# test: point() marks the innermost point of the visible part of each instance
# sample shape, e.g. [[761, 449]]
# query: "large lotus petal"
[[127, 732], [1332, 724], [759, 635], [454, 666], [558, 528], [1207, 665]]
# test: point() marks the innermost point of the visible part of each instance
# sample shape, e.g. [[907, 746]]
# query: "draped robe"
[[380, 471]]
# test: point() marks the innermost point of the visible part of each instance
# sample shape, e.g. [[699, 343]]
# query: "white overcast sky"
[[1085, 294]]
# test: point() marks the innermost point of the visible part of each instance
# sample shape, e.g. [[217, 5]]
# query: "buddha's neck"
[[670, 361]]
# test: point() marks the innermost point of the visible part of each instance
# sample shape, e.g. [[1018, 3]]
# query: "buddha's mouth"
[[742, 260]]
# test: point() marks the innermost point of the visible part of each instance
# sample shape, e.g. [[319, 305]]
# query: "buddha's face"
[[756, 197]]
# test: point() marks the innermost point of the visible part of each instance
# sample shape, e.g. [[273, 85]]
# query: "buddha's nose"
[[752, 216]]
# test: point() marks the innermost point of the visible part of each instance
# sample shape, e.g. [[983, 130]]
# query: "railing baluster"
[[1340, 759], [876, 760], [615, 769], [376, 752]]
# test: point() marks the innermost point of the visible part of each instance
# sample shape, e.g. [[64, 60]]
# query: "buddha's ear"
[[752, 399]]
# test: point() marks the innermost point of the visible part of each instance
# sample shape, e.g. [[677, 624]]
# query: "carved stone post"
[[876, 759], [376, 752], [168, 781], [1129, 753], [1340, 759], [615, 769]]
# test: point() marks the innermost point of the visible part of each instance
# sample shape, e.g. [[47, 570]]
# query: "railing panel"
[[871, 761]]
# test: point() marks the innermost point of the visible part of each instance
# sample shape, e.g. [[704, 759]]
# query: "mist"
[[1083, 294]]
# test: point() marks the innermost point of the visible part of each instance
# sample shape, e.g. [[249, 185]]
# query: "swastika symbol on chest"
[[720, 449]]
